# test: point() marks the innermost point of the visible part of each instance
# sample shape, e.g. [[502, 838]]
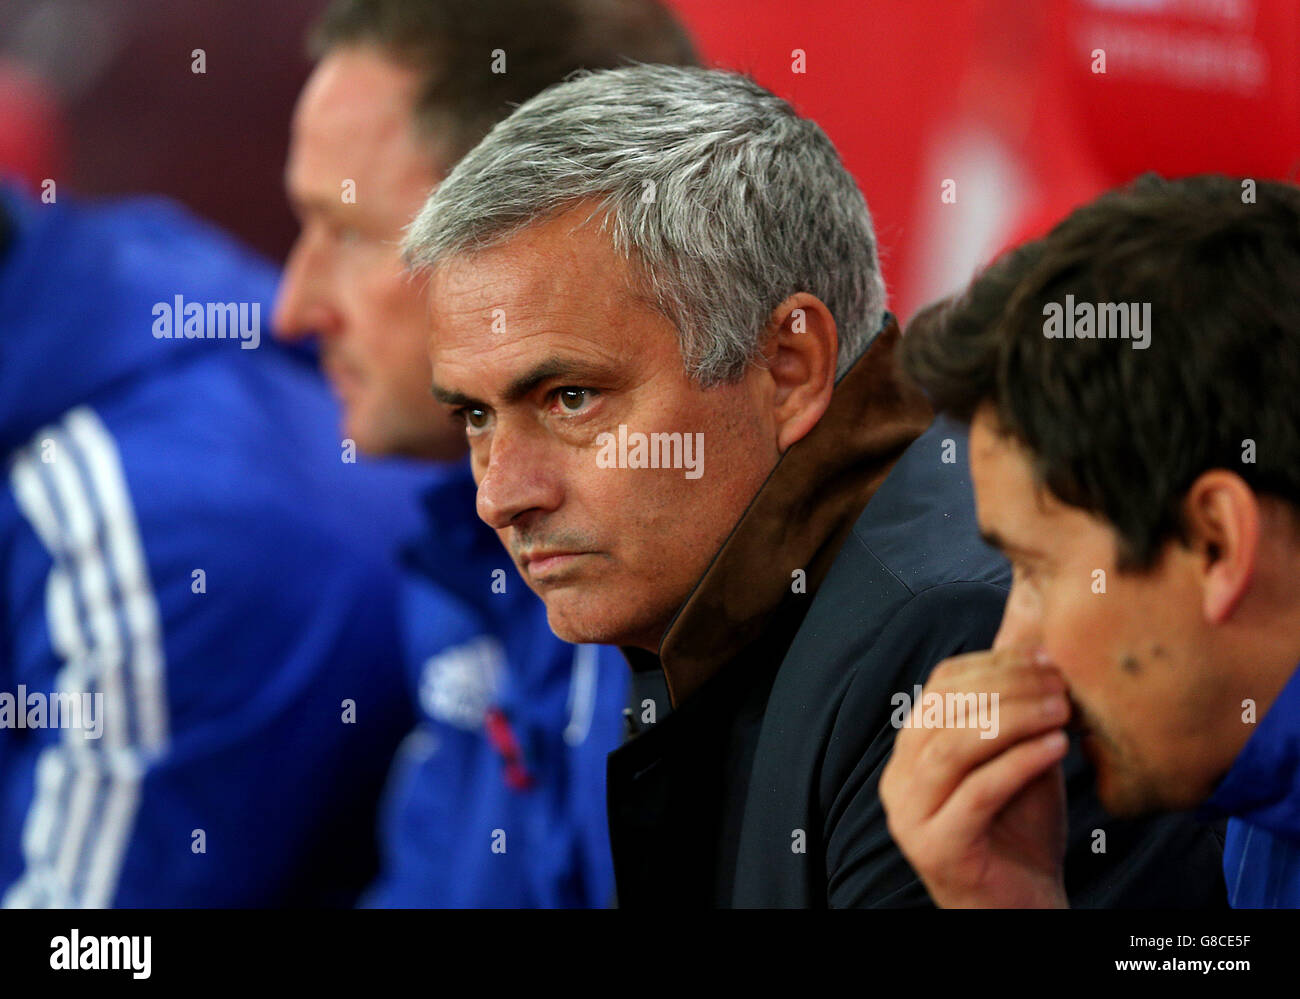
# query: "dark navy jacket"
[[760, 788]]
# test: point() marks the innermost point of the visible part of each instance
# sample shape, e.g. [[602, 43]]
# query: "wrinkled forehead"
[[560, 307], [555, 278]]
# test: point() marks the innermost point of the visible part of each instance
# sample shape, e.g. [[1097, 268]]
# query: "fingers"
[[987, 790], [979, 809], [1024, 701]]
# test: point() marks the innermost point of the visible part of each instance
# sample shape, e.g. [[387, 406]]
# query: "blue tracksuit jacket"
[[1261, 793], [180, 534], [498, 796]]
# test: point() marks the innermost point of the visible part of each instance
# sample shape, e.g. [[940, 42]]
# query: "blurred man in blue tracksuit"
[[186, 543], [497, 798]]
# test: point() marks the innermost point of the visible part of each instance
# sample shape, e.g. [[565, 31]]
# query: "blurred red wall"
[[1000, 96]]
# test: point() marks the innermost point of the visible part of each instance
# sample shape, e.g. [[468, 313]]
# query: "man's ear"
[[800, 355], [1222, 519]]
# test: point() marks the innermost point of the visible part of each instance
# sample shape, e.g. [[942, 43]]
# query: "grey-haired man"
[[496, 799], [649, 258]]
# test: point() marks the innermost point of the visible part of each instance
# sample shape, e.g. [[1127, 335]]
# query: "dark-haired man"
[[1148, 501]]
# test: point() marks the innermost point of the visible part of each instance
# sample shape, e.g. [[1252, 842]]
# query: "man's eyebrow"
[[458, 399], [995, 540], [573, 370]]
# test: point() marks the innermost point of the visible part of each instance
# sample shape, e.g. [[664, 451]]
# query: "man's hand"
[[982, 820]]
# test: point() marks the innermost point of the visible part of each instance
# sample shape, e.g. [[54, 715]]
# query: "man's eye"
[[572, 399], [475, 419]]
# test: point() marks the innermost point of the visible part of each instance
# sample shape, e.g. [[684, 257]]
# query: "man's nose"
[[1020, 626], [517, 481], [300, 309]]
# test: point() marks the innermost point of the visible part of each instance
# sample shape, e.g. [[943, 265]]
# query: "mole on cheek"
[[1130, 665]]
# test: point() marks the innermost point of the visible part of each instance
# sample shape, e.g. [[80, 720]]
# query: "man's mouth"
[[542, 565], [1089, 737], [343, 377], [1078, 723]]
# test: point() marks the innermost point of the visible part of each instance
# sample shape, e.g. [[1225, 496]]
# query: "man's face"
[[542, 350], [1161, 725], [356, 175]]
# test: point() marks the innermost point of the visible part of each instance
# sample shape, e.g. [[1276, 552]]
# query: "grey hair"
[[723, 198]]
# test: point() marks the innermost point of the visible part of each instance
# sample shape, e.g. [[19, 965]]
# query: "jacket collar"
[[747, 600], [1263, 785]]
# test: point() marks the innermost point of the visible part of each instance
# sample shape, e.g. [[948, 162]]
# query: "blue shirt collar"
[[1263, 785]]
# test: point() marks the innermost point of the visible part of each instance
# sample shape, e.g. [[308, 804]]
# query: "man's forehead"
[[531, 280], [996, 453], [356, 117], [986, 439], [554, 291], [482, 349], [483, 289], [475, 337], [359, 86], [1008, 492]]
